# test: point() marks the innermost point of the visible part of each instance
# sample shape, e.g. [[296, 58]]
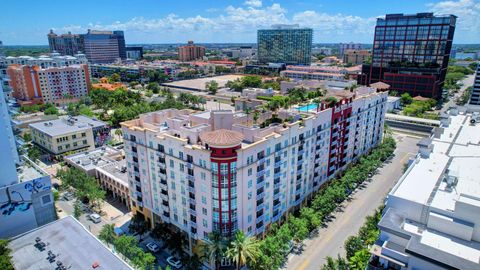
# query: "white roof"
[[456, 150]]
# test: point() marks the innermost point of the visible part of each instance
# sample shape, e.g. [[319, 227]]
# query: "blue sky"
[[166, 21]]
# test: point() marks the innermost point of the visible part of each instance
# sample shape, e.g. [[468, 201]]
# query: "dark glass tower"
[[287, 44], [411, 53]]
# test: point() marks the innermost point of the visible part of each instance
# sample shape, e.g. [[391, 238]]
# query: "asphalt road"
[[468, 81], [348, 221]]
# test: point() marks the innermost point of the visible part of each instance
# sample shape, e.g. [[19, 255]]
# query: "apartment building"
[[218, 171], [190, 52], [69, 134], [343, 47], [57, 85], [431, 218]]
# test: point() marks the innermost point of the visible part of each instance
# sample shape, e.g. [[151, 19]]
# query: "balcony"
[[277, 195], [192, 212], [277, 185], [300, 152], [277, 206], [160, 154], [260, 173], [162, 166], [278, 164], [190, 177], [259, 207], [277, 175], [189, 165], [191, 189], [261, 160]]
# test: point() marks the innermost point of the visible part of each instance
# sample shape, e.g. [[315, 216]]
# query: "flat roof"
[[456, 152], [90, 160], [67, 125], [199, 84], [115, 169], [72, 244]]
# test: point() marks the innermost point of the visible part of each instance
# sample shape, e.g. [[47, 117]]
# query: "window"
[[204, 211], [250, 183], [203, 175], [205, 223], [172, 164], [250, 172], [204, 200]]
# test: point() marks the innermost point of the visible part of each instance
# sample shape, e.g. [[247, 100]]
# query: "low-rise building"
[[218, 171], [253, 93], [27, 203], [431, 218], [314, 85], [134, 52], [320, 72], [107, 164], [393, 103], [62, 244], [69, 134]]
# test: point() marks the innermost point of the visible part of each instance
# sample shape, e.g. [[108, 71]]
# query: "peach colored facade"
[[190, 52], [32, 84]]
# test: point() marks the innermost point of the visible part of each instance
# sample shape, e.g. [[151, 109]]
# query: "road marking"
[[304, 264]]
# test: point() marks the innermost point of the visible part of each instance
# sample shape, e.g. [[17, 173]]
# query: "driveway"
[[351, 216]]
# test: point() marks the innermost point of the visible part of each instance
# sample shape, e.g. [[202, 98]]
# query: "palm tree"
[[213, 248], [107, 234], [243, 249], [317, 101]]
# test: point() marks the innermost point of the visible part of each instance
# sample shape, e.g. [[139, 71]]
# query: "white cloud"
[[253, 3], [468, 21]]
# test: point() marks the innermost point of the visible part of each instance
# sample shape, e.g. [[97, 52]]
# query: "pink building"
[[205, 171]]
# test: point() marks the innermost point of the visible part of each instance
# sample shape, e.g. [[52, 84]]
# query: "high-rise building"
[[475, 97], [134, 52], [288, 44], [32, 84], [190, 52], [65, 44], [9, 156], [411, 53], [343, 47], [431, 217], [214, 171], [98, 46]]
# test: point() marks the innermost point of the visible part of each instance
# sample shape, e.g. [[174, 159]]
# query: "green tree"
[[27, 137], [243, 249], [34, 152], [213, 248], [251, 81], [77, 209], [107, 234], [138, 225], [352, 245], [359, 261], [51, 110], [406, 99], [115, 77], [211, 87], [5, 258], [330, 265]]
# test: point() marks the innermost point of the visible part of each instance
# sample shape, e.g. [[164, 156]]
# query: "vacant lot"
[[199, 84]]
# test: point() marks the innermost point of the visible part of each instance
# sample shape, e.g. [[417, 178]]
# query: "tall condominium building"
[[411, 53], [343, 47], [32, 84], [431, 218], [475, 97], [287, 44], [98, 46], [190, 52], [9, 156], [215, 171]]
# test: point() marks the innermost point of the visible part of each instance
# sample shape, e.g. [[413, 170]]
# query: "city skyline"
[[214, 22]]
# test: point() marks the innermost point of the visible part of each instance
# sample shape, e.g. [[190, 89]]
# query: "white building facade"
[[215, 171]]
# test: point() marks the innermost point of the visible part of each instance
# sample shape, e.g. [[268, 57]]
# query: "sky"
[[27, 22]]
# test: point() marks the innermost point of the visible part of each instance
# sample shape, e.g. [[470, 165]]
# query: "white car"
[[174, 262], [153, 247], [95, 218]]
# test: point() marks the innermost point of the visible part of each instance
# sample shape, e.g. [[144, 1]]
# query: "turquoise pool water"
[[306, 108]]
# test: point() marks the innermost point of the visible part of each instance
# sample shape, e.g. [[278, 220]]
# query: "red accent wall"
[[342, 128]]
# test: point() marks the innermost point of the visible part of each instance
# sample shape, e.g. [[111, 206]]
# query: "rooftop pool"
[[309, 107]]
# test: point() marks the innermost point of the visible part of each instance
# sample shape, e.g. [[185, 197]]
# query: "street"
[[350, 218], [468, 81]]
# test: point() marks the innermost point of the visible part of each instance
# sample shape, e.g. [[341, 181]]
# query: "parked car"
[[95, 218], [153, 247], [174, 262]]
